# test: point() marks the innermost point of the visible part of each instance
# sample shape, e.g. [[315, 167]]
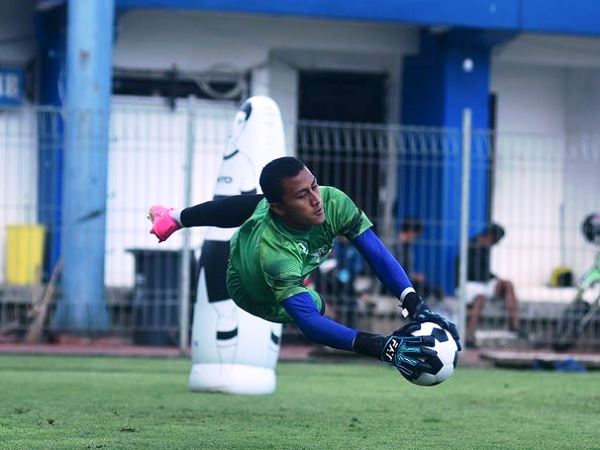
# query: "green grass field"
[[49, 402]]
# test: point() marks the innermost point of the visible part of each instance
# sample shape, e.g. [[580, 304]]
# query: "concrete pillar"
[[280, 82], [450, 73], [88, 91]]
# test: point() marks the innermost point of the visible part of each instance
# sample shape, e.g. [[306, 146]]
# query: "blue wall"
[[51, 34], [550, 16]]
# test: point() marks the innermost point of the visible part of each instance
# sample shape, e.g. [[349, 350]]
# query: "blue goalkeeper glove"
[[422, 313], [409, 354]]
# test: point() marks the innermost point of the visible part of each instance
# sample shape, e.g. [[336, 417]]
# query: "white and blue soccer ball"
[[447, 354]]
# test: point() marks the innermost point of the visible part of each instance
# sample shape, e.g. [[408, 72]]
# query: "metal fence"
[[539, 188]]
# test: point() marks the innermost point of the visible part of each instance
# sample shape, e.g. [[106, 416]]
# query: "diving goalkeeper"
[[284, 235]]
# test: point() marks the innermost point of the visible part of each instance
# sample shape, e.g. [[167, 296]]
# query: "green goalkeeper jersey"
[[269, 262]]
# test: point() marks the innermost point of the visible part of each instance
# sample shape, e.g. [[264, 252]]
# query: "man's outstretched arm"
[[227, 212], [409, 354], [392, 275]]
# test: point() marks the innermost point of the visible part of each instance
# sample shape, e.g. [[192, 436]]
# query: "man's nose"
[[315, 198]]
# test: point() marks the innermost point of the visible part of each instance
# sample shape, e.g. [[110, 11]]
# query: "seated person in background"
[[403, 249], [482, 284]]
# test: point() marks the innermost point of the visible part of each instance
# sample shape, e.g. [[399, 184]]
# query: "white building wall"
[[18, 174], [530, 98], [550, 50], [582, 168], [546, 180], [147, 154], [273, 49], [198, 41], [582, 100], [280, 82], [528, 185], [147, 165]]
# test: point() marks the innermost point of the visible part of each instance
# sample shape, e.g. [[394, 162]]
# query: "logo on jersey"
[[317, 254]]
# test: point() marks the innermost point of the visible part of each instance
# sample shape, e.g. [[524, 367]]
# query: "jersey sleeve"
[[283, 274], [346, 218]]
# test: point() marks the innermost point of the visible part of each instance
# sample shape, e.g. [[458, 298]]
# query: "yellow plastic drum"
[[24, 254]]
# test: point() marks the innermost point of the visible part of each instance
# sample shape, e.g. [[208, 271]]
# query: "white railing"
[[539, 188]]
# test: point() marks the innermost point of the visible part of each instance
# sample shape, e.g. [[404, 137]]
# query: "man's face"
[[301, 206]]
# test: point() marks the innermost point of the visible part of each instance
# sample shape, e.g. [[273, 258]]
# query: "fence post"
[[391, 183], [464, 219], [185, 281]]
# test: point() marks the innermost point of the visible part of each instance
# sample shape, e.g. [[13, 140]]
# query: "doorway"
[[333, 139]]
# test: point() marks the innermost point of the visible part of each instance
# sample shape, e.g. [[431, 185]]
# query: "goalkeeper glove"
[[163, 225], [409, 354], [420, 312]]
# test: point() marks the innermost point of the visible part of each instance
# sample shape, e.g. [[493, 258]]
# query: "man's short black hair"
[[273, 174]]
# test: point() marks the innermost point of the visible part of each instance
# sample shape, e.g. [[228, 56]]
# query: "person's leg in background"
[[506, 291], [474, 316]]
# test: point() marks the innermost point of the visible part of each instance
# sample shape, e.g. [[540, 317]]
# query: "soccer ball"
[[447, 354]]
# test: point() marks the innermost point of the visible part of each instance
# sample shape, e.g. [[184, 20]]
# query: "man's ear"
[[277, 208]]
